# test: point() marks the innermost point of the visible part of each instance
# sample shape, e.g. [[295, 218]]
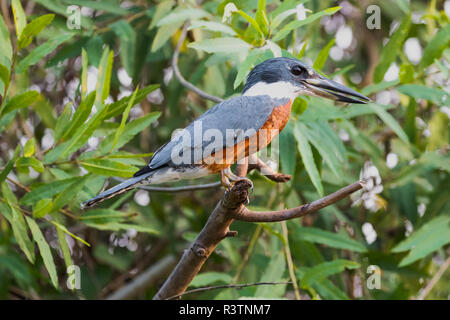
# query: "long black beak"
[[323, 87]]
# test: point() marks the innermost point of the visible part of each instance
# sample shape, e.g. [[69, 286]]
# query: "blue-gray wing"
[[224, 125]]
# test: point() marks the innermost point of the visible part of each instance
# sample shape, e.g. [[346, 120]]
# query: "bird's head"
[[289, 78]]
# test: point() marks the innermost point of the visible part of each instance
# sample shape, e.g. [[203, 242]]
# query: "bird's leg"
[[231, 178], [225, 181]]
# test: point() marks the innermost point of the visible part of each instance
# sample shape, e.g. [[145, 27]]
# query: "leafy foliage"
[[81, 106]]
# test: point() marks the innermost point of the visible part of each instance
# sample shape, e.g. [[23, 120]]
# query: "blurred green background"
[[88, 92]]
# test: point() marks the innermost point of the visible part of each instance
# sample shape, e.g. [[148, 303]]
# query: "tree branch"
[[180, 77], [226, 286], [217, 228], [144, 280], [273, 216], [194, 187]]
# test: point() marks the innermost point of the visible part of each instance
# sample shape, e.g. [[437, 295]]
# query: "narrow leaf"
[[44, 248], [307, 157], [391, 49]]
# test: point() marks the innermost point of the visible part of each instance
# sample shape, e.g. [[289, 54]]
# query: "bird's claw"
[[229, 179]]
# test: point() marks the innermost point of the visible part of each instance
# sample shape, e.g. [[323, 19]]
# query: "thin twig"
[[227, 286], [273, 216], [178, 189], [180, 77], [249, 250], [290, 262], [27, 189], [144, 280], [434, 280]]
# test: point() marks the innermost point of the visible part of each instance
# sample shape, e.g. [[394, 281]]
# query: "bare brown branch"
[[180, 77], [273, 216], [214, 231], [217, 228]]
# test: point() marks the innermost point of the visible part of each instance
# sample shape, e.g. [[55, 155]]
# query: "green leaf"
[[221, 45], [255, 57], [28, 149], [47, 190], [21, 101], [439, 131], [108, 167], [163, 34], [63, 122], [18, 269], [326, 269], [307, 156], [20, 20], [326, 148], [64, 229], [103, 216], [327, 290], [44, 248], [181, 15], [430, 237], [79, 139], [41, 51], [287, 140], [127, 50], [273, 272], [323, 56], [435, 47], [7, 169], [131, 129], [389, 120], [299, 106], [425, 163], [32, 29], [18, 224], [84, 73], [4, 76], [279, 18], [418, 91], [261, 17], [124, 119], [104, 75], [330, 239], [298, 23], [6, 52], [410, 120], [118, 107], [208, 278], [212, 26], [42, 207], [64, 247], [391, 49], [79, 117], [406, 73], [23, 164], [69, 193], [117, 226], [252, 22], [106, 6], [163, 8]]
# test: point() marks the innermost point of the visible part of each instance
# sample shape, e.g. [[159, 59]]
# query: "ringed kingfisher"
[[264, 106]]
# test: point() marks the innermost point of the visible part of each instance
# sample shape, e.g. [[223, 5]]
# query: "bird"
[[237, 127]]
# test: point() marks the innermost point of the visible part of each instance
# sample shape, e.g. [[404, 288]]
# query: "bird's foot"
[[229, 179]]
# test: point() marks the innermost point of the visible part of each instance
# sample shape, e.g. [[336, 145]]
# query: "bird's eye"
[[297, 70]]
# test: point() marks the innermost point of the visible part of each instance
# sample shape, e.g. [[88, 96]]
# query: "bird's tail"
[[116, 190]]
